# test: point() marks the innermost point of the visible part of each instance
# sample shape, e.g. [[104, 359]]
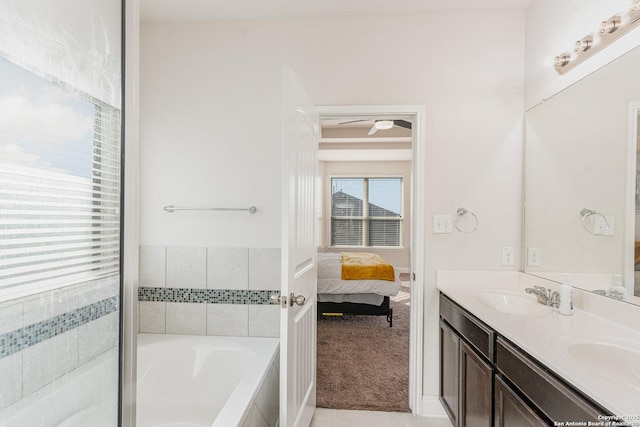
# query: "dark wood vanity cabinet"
[[476, 383], [449, 371], [550, 395], [466, 374], [485, 380], [511, 410]]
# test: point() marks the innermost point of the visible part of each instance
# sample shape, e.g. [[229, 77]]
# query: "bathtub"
[[73, 400], [204, 381]]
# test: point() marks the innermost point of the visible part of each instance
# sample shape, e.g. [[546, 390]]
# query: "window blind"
[[60, 215]]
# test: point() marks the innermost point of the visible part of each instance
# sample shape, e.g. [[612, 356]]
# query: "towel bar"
[[171, 208]]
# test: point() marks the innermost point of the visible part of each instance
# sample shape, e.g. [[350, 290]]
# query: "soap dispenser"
[[616, 290], [566, 297]]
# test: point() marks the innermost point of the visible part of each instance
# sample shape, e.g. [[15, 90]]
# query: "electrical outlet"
[[442, 224], [508, 255], [533, 257]]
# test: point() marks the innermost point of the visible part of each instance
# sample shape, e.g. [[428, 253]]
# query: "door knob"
[[300, 299]]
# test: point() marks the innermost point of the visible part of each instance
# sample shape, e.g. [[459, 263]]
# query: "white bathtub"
[[203, 381]]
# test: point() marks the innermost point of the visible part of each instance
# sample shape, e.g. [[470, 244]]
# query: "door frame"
[[417, 243]]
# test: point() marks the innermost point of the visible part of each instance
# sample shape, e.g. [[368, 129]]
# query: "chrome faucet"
[[545, 296]]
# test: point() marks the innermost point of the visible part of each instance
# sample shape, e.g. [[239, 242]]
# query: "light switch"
[[442, 224]]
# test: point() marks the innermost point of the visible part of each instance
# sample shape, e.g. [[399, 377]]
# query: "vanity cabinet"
[[511, 410], [449, 371], [485, 380], [476, 383], [466, 378], [551, 396]]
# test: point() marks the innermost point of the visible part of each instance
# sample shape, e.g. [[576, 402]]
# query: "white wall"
[[211, 108], [552, 27]]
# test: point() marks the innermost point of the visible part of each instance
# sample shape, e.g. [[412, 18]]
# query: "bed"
[[340, 293]]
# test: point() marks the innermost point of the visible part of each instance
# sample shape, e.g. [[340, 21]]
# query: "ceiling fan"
[[382, 124]]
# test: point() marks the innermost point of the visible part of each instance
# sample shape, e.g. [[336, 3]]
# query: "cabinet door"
[[476, 389], [511, 411], [449, 371]]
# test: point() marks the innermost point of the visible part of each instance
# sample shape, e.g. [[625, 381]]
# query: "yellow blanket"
[[364, 265]]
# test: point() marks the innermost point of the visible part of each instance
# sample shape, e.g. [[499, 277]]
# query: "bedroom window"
[[366, 212]]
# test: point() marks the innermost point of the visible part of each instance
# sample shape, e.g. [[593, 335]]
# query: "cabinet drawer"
[[470, 328], [556, 400]]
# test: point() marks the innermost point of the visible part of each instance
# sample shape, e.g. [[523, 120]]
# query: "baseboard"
[[431, 407]]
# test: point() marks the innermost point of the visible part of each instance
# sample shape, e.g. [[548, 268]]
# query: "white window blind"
[[366, 211], [59, 187]]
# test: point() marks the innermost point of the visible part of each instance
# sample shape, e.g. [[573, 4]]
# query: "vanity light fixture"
[[584, 44], [610, 30], [610, 25]]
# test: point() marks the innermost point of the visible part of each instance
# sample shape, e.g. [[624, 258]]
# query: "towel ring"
[[586, 213], [461, 212]]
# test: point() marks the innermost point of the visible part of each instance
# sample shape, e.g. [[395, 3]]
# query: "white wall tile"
[[152, 317], [268, 399], [264, 320], [228, 268], [11, 383], [186, 267], [10, 317], [264, 268], [152, 266], [39, 307], [99, 290], [228, 320], [98, 337], [186, 318], [48, 360]]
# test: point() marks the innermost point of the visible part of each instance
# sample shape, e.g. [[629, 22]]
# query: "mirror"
[[580, 182]]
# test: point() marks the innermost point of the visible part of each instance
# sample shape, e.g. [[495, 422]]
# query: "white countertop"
[[540, 336]]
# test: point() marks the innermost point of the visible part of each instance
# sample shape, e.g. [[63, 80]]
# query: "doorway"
[[398, 146]]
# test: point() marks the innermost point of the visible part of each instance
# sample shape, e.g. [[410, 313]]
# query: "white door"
[[299, 248]]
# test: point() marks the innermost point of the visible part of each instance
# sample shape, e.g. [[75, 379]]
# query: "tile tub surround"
[[46, 336], [209, 291], [538, 335]]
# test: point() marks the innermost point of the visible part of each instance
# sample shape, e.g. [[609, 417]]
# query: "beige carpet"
[[363, 363]]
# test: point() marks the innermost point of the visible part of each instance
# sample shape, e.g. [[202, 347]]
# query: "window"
[[366, 212], [59, 184]]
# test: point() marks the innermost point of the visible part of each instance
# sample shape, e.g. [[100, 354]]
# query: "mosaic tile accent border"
[[210, 296], [20, 339]]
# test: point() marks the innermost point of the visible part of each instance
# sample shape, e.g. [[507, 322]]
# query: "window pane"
[[385, 197], [347, 195], [346, 232]]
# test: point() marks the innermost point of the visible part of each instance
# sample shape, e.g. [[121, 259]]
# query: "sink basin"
[[616, 360], [514, 303]]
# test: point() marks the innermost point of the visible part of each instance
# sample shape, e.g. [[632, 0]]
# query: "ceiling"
[[221, 10]]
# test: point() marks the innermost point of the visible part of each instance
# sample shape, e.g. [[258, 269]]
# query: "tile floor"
[[341, 418]]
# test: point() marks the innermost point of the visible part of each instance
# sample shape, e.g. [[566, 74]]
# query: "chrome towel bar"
[[171, 208]]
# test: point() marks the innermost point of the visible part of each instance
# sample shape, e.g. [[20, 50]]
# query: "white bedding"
[[329, 281], [371, 299]]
